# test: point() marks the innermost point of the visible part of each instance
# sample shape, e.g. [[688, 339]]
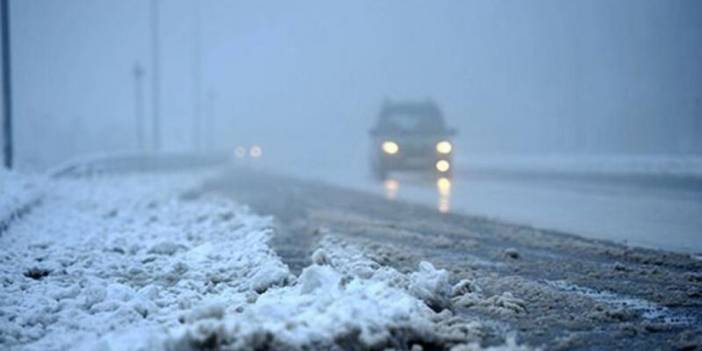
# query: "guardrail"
[[97, 164], [18, 213], [135, 162]]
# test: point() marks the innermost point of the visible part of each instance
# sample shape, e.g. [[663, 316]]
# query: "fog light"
[[390, 147], [442, 165]]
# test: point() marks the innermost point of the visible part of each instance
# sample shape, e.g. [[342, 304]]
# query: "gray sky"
[[306, 78]]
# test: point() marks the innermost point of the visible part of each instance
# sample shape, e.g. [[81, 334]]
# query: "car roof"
[[426, 108]]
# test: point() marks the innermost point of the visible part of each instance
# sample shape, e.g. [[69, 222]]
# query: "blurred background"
[[306, 79], [612, 87]]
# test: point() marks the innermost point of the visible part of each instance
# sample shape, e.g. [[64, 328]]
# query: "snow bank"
[[126, 255]]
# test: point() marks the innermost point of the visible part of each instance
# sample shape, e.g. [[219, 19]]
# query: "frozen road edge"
[[141, 263]]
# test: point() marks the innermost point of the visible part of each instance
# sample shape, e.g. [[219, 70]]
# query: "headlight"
[[443, 147], [390, 147], [255, 151], [442, 165], [240, 152]]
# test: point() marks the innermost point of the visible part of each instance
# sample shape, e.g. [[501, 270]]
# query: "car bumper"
[[392, 162]]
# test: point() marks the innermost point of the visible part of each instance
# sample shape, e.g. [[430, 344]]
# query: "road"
[[653, 212], [552, 289]]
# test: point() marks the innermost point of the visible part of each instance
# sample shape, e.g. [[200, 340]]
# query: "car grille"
[[417, 150]]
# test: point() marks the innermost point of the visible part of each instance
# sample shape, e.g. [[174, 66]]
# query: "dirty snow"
[[343, 300], [144, 263]]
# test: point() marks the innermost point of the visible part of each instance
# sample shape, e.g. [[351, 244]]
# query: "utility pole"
[[6, 85], [697, 125], [197, 132], [138, 73], [578, 127], [155, 76]]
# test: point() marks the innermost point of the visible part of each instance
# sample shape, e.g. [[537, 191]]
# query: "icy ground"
[[144, 263]]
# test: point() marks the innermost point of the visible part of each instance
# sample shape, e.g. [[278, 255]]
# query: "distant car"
[[411, 136]]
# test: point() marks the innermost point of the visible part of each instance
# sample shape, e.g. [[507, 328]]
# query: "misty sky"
[[305, 79]]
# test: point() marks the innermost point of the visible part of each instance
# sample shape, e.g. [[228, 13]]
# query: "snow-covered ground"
[[144, 262], [18, 192]]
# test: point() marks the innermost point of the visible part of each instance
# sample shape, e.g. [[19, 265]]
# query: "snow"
[[343, 297], [16, 193], [431, 285], [126, 252], [143, 262]]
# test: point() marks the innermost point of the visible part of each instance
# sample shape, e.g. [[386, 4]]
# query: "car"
[[411, 136]]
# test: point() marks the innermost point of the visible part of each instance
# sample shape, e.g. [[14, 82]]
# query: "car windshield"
[[410, 123]]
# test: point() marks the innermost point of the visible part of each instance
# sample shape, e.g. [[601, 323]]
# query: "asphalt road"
[[653, 211], [577, 293]]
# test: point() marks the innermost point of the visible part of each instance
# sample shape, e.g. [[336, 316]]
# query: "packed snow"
[[145, 262]]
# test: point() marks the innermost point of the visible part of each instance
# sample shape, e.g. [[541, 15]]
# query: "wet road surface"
[[628, 209]]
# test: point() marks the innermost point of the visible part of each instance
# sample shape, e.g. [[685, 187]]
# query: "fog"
[[351, 175], [305, 80]]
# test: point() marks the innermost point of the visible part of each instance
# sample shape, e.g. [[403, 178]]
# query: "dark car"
[[411, 136]]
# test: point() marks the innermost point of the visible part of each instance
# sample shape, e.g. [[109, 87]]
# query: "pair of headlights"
[[391, 147], [255, 151]]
